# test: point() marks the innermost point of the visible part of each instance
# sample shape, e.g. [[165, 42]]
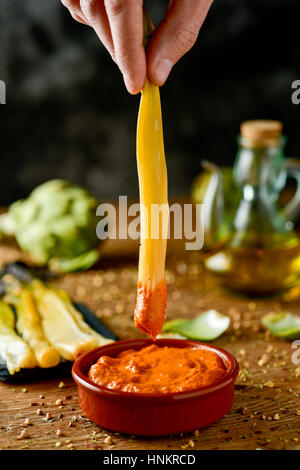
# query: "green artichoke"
[[56, 225]]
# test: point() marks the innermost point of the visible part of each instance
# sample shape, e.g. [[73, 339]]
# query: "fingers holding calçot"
[[175, 36], [126, 24], [119, 25]]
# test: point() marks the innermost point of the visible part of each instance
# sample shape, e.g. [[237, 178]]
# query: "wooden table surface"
[[266, 410]]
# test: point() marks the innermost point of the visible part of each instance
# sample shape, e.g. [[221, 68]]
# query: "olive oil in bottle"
[[262, 253]]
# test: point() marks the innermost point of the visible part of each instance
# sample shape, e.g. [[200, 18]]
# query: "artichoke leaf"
[[80, 262], [283, 324], [13, 349], [207, 326]]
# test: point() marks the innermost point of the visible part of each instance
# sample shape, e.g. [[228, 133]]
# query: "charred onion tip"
[[148, 27]]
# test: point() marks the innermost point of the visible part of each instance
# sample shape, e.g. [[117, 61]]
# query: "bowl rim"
[[86, 360]]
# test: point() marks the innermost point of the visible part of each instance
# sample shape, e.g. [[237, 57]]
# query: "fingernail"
[[162, 70], [130, 85]]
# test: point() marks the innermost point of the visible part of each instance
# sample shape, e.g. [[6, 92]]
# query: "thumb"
[[175, 36]]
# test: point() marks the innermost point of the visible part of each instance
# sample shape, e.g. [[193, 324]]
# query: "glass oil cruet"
[[262, 253]]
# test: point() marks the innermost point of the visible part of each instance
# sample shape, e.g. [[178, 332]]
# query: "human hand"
[[119, 26]]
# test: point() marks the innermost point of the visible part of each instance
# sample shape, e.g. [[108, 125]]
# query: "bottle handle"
[[292, 208]]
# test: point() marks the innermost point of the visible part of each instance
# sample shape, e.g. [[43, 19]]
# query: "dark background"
[[68, 114]]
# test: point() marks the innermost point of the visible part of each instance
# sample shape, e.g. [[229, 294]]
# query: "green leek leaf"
[[283, 324], [207, 326]]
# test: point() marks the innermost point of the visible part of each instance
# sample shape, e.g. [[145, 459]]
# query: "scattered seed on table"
[[23, 435], [270, 384], [263, 360], [242, 410]]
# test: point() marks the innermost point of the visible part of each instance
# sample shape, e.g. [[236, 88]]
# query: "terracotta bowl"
[[157, 414]]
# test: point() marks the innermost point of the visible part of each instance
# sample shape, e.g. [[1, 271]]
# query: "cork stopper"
[[261, 132]]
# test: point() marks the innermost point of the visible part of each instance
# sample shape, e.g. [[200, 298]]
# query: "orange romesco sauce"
[[157, 369], [149, 314]]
